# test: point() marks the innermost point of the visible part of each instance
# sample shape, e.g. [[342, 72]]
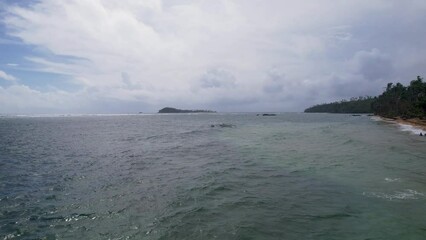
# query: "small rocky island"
[[175, 110]]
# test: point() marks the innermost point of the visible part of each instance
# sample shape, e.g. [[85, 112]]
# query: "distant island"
[[397, 102], [175, 110]]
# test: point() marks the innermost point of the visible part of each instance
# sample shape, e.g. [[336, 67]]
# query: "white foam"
[[392, 179], [403, 127], [11, 236], [407, 194], [410, 129]]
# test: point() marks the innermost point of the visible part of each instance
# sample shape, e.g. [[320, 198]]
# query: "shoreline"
[[413, 122]]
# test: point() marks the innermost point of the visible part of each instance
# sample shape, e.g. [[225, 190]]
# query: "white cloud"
[[220, 53], [7, 77], [22, 99]]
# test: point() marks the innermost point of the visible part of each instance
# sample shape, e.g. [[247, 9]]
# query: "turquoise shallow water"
[[292, 176]]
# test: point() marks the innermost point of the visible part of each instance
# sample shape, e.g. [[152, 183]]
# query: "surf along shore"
[[414, 122]]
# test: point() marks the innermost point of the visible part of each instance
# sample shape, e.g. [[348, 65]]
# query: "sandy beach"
[[415, 123]]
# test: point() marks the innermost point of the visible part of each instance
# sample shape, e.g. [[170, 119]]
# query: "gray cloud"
[[274, 82], [373, 65], [217, 78]]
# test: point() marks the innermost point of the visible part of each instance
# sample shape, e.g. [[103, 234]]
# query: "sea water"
[[182, 176]]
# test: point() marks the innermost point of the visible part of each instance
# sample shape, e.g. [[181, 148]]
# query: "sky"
[[129, 56]]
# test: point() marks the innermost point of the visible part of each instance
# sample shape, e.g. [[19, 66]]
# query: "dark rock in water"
[[269, 114], [175, 110], [421, 134], [356, 115], [223, 125]]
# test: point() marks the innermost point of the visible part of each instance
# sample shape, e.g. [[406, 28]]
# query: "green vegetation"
[[401, 101], [396, 101], [354, 105]]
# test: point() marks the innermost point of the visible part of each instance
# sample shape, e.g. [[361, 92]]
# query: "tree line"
[[354, 105], [400, 101], [396, 101]]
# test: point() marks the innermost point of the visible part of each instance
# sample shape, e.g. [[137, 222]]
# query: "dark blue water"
[[293, 176]]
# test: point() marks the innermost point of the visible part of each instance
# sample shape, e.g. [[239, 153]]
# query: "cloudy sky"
[[108, 56]]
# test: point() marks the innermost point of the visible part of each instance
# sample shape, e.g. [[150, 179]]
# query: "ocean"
[[183, 176]]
